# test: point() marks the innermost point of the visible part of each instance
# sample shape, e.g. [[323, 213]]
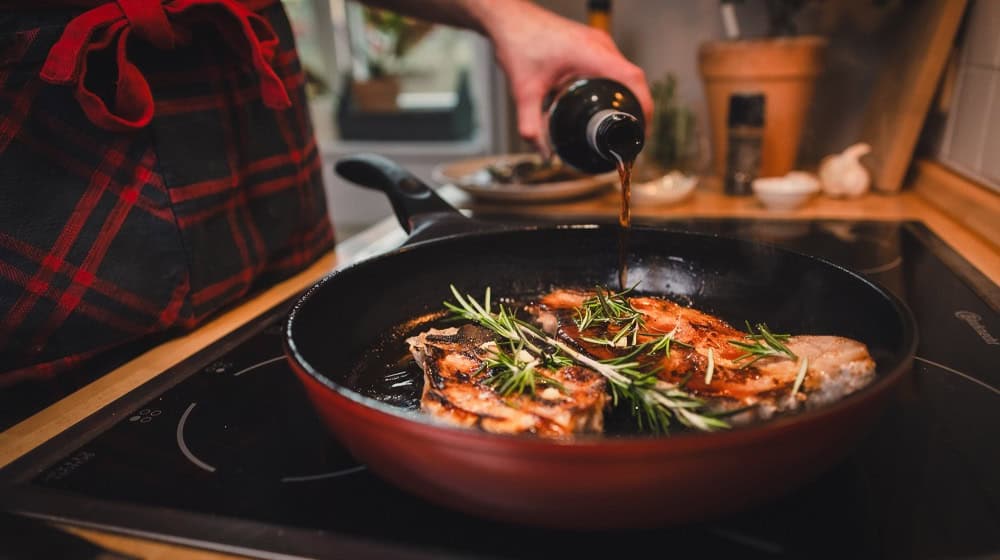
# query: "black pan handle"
[[410, 197]]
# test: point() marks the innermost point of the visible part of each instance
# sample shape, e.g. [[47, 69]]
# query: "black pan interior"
[[352, 311]]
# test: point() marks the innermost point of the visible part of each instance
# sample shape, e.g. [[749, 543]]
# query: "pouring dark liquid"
[[624, 217], [596, 125], [622, 138]]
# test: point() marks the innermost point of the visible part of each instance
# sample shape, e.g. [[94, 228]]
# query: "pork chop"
[[835, 366], [457, 388]]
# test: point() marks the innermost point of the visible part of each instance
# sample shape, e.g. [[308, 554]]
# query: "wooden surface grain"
[[146, 549], [975, 205]]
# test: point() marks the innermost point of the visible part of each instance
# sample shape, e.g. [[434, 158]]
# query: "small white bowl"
[[668, 189], [786, 193]]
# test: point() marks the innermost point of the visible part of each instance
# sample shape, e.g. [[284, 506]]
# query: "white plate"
[[467, 175]]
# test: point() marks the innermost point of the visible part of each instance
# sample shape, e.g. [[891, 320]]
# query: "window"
[[419, 93], [387, 77]]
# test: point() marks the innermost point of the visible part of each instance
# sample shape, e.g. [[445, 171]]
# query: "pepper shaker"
[[745, 123]]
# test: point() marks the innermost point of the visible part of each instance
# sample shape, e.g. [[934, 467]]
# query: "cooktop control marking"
[[257, 365], [184, 448], [958, 373], [333, 474], [145, 415], [975, 320]]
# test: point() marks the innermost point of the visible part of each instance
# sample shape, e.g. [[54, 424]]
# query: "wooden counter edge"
[[973, 205], [144, 548]]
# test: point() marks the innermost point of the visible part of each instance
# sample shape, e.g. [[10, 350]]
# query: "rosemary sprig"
[[613, 310], [655, 403], [514, 371], [514, 374], [503, 323], [711, 367], [801, 375], [765, 344], [664, 342]]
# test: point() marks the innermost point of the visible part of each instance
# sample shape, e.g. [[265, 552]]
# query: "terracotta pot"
[[377, 94], [784, 70]]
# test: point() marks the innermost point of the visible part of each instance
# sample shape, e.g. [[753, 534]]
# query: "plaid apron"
[[157, 163]]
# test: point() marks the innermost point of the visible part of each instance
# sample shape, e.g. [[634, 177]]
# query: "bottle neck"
[[612, 132]]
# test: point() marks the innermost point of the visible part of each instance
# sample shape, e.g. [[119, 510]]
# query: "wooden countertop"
[[977, 244]]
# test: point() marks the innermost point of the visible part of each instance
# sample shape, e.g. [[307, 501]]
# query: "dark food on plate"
[[530, 172], [580, 352]]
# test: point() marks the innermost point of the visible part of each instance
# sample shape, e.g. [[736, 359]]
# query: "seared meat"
[[837, 366], [456, 389]]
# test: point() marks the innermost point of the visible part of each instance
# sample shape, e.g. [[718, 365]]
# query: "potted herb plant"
[[782, 65], [387, 36]]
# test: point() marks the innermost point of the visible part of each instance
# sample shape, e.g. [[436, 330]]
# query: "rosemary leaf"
[[801, 376], [765, 344], [614, 312], [711, 367]]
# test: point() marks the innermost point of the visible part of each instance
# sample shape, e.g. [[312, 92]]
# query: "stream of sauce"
[[624, 216]]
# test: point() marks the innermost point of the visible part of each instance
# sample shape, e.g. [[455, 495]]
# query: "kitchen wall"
[[970, 140]]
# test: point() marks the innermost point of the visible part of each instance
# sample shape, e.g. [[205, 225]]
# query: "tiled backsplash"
[[972, 138]]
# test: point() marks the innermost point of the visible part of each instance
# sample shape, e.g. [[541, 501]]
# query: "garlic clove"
[[843, 174]]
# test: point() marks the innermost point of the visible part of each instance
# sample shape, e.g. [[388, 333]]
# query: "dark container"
[[745, 123]]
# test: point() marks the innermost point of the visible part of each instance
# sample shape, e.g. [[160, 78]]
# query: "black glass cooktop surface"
[[225, 452]]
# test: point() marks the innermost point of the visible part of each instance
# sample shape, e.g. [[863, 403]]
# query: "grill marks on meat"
[[455, 390], [837, 366]]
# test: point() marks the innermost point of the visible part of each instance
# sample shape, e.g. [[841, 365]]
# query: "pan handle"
[[411, 199]]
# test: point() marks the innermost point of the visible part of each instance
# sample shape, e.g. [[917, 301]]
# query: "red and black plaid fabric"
[[110, 233]]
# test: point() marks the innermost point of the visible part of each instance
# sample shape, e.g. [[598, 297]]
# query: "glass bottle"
[[590, 121]]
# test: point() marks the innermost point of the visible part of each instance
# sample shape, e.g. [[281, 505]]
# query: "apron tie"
[[164, 25]]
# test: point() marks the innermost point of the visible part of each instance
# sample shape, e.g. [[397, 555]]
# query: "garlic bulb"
[[843, 175]]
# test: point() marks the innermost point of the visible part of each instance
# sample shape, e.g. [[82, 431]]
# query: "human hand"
[[539, 49]]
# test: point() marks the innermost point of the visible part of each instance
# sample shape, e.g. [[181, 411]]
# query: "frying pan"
[[589, 482]]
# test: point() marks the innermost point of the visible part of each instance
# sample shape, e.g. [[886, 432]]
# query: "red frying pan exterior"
[[596, 484]]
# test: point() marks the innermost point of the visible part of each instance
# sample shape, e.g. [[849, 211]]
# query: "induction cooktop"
[[224, 451]]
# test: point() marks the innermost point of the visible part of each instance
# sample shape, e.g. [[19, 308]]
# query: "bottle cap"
[[618, 132], [746, 109]]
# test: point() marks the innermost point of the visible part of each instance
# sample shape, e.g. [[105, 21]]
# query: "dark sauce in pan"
[[387, 372]]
